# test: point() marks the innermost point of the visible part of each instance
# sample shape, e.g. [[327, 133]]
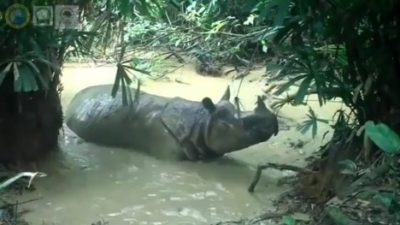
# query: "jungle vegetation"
[[337, 49]]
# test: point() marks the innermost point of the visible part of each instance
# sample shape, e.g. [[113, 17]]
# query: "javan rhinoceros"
[[168, 127]]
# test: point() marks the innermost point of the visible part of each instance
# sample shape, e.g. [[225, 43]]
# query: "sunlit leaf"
[[283, 9], [125, 75], [4, 72], [348, 167], [38, 75], [5, 184], [124, 92], [339, 217], [387, 199], [15, 71], [288, 220], [25, 81], [383, 136], [250, 20], [117, 82]]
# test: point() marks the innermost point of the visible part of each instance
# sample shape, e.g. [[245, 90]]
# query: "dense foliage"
[[336, 49]]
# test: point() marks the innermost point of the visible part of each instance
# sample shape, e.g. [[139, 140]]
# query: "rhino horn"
[[227, 95]]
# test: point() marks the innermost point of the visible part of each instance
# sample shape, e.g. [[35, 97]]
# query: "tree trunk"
[[29, 123]]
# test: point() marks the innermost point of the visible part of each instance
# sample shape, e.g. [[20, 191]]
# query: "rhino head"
[[226, 132]]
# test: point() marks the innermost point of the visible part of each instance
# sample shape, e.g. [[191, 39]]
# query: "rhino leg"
[[189, 150]]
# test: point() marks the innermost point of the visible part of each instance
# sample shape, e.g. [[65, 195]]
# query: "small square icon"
[[42, 16], [66, 17]]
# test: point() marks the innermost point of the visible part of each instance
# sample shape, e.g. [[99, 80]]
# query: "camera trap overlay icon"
[[66, 17], [17, 16], [43, 16]]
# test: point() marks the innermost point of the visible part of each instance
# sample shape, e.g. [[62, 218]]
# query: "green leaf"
[[38, 74], [288, 220], [4, 73], [384, 137], [126, 77], [28, 81], [118, 78], [283, 10], [388, 199], [25, 81], [339, 217], [314, 128], [124, 92], [347, 167], [54, 66], [36, 47]]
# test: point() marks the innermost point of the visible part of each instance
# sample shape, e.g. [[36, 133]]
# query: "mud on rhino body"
[[173, 128]]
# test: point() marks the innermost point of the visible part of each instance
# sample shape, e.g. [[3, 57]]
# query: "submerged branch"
[[260, 168], [256, 220], [367, 178]]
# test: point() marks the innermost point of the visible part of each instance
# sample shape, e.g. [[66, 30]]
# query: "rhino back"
[[96, 116], [180, 116]]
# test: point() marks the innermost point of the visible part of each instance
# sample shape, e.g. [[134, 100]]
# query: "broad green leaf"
[[384, 137], [288, 220], [25, 81], [124, 92], [128, 80], [5, 71], [314, 128], [339, 217], [28, 81], [283, 9], [15, 71], [347, 167], [36, 47], [38, 74], [117, 81], [47, 62], [388, 199]]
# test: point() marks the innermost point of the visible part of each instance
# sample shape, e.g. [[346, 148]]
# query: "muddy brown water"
[[87, 182]]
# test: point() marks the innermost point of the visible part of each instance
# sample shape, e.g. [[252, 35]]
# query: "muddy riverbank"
[[87, 182]]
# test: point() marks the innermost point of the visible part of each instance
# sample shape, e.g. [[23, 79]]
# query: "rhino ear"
[[261, 108], [227, 95], [208, 104]]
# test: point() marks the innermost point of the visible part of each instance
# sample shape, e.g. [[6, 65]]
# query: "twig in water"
[[270, 215], [260, 168], [30, 175], [264, 216]]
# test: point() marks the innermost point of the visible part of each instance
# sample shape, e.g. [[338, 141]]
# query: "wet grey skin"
[[168, 128]]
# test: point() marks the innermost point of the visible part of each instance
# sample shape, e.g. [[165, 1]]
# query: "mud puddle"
[[86, 182]]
